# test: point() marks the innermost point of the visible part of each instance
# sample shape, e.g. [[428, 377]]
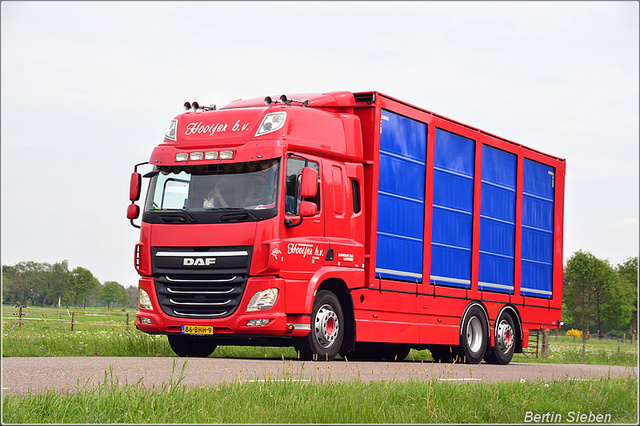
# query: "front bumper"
[[279, 323]]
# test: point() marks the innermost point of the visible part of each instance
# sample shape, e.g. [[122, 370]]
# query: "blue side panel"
[[400, 234], [497, 220], [537, 229], [452, 224]]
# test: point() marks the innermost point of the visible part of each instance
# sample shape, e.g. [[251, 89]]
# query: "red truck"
[[346, 223]]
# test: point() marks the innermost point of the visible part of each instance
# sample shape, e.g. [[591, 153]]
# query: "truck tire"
[[192, 347], [327, 330], [474, 339], [505, 339]]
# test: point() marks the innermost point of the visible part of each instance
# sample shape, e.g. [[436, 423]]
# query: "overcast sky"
[[88, 89]]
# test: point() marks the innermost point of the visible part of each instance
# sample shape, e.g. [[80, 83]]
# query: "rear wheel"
[[474, 336], [192, 347], [505, 339], [327, 331]]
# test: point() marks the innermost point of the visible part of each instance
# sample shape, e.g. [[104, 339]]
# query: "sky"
[[88, 89]]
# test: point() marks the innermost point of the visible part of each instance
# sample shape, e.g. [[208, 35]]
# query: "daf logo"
[[198, 261]]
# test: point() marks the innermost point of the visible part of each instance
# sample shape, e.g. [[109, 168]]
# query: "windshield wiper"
[[183, 211], [234, 213]]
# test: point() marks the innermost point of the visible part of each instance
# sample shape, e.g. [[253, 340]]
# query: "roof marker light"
[[182, 156], [226, 155], [195, 156], [211, 155]]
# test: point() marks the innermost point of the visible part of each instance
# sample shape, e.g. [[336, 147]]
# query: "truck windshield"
[[211, 193]]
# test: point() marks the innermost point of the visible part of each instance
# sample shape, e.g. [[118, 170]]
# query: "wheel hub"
[[326, 326], [474, 334], [504, 337]]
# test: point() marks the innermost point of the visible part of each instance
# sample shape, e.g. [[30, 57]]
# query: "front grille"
[[200, 282]]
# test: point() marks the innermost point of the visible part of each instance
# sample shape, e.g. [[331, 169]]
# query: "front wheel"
[[327, 330], [192, 347]]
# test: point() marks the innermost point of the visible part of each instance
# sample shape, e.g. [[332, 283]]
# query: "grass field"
[[294, 401], [98, 332], [103, 333]]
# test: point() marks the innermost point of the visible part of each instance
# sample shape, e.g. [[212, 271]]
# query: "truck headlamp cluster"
[[145, 300], [271, 122], [263, 300], [209, 155]]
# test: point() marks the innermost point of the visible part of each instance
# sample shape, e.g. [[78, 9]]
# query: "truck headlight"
[[263, 300], [145, 300]]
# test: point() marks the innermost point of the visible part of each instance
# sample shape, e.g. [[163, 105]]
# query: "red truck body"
[[421, 232]]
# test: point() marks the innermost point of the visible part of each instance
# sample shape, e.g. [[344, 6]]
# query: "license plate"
[[197, 329]]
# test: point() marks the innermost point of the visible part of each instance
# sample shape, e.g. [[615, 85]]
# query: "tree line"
[[598, 294], [44, 284]]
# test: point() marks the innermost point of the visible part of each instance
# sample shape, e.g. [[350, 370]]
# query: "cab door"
[[303, 246]]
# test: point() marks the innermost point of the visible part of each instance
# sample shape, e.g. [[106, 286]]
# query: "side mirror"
[[134, 186], [309, 183], [133, 211], [308, 209]]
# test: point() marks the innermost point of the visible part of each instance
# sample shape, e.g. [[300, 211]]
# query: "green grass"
[[285, 400], [40, 338], [565, 350]]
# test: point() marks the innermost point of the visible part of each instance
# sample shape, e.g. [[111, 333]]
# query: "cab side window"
[[292, 194]]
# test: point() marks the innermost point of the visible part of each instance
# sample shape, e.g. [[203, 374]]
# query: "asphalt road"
[[30, 375]]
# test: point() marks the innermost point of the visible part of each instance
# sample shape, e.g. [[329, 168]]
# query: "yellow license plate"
[[197, 329]]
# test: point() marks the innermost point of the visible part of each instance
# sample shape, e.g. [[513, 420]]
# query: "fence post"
[[545, 343], [73, 314], [20, 317], [624, 338], [584, 350], [127, 319]]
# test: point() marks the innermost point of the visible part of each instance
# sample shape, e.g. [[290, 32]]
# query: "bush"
[[574, 333]]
